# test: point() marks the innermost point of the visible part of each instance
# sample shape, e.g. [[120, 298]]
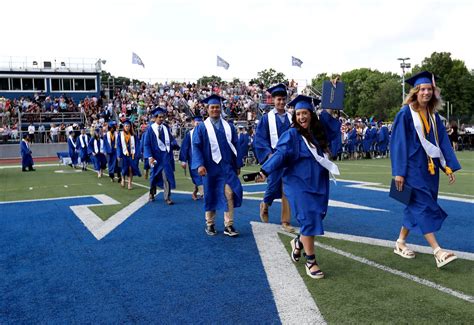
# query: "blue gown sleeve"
[[287, 148], [445, 146], [138, 147], [183, 153], [399, 146], [235, 142], [119, 146], [332, 126], [198, 147], [147, 150], [261, 142]]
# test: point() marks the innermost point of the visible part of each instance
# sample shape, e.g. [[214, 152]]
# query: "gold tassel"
[[431, 166], [448, 170]]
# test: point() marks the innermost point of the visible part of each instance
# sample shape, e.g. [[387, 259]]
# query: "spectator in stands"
[[31, 132], [42, 133]]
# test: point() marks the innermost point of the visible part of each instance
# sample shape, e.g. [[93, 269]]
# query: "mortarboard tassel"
[[431, 166]]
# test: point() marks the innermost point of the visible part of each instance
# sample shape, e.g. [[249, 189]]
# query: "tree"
[[206, 80], [269, 77]]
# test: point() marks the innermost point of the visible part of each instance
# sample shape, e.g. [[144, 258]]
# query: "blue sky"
[[180, 39]]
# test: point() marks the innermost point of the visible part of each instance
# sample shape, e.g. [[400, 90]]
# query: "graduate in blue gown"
[[128, 152], [382, 139], [269, 129], [243, 140], [82, 143], [351, 141], [97, 152], [367, 140], [217, 160], [146, 163], [302, 152], [419, 149], [25, 152], [72, 149], [186, 159], [110, 146], [158, 149]]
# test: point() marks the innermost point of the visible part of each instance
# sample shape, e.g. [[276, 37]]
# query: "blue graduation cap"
[[197, 118], [97, 130], [158, 111], [112, 124], [278, 90], [304, 102], [127, 121], [213, 100], [424, 77]]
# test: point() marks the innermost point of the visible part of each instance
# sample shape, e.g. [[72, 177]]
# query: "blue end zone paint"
[[159, 266], [456, 232]]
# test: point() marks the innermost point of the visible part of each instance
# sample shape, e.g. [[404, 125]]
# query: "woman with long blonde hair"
[[419, 148]]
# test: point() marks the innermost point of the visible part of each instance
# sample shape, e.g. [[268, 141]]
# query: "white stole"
[[323, 161], [81, 139], [191, 139], [72, 141], [26, 143], [211, 133], [96, 149], [273, 127], [163, 146], [431, 150], [124, 144]]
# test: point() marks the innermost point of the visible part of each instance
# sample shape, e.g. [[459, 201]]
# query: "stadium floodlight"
[[404, 65]]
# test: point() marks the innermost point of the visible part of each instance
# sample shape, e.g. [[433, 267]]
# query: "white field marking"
[[294, 302], [30, 188], [49, 199], [370, 186], [455, 194], [332, 203], [402, 274], [61, 171], [96, 225], [35, 165]]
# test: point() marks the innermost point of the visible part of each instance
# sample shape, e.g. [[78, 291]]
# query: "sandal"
[[406, 252], [296, 246], [443, 258], [313, 274]]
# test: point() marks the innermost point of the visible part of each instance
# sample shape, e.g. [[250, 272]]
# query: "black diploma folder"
[[250, 177], [401, 196], [333, 97]]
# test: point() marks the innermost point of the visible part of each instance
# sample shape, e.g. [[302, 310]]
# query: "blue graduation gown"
[[73, 154], [409, 160], [367, 141], [185, 155], [26, 158], [164, 159], [262, 148], [382, 138], [111, 151], [243, 141], [129, 161], [352, 140], [225, 172], [83, 151], [305, 181], [98, 158], [146, 163]]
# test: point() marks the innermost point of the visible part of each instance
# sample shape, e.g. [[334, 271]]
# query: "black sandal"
[[296, 245], [311, 261]]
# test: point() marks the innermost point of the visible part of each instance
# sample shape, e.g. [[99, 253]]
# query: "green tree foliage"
[[269, 77], [455, 80], [206, 80]]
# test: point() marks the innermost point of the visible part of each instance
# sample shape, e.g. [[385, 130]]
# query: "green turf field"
[[352, 292]]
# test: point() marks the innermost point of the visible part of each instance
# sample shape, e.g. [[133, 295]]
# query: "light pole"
[[404, 65]]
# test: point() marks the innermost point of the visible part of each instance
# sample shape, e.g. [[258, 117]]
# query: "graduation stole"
[[211, 133], [26, 143], [432, 151], [127, 138], [322, 160], [191, 139], [163, 146], [272, 126], [72, 141], [83, 142], [112, 138], [96, 148]]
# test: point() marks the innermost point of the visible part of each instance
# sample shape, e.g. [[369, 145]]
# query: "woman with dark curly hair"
[[419, 148], [303, 152]]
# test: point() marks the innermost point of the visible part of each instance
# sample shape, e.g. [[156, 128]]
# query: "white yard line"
[[294, 302]]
